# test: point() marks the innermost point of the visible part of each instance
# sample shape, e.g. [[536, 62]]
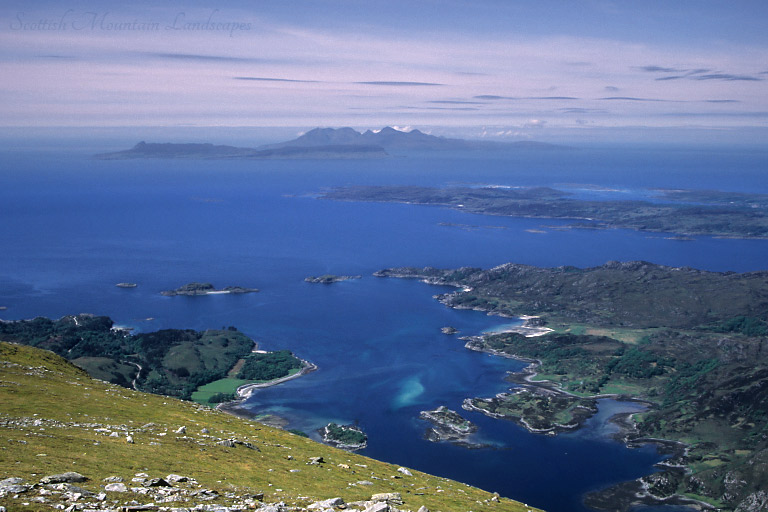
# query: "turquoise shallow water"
[[73, 226]]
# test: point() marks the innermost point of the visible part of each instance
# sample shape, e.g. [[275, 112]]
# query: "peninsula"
[[689, 343], [684, 213], [192, 289]]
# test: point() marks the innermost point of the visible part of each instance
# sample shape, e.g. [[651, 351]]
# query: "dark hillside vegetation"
[[171, 361]]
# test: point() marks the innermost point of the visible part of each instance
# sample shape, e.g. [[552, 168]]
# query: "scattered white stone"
[[114, 434], [181, 430], [325, 504], [392, 498], [129, 439], [380, 506], [404, 471], [116, 487]]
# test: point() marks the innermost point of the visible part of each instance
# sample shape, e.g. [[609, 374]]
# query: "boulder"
[[391, 498], [326, 504], [69, 477], [116, 487], [380, 506], [404, 471], [14, 485], [156, 482]]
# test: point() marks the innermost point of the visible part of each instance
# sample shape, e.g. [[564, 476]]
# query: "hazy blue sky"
[[517, 69]]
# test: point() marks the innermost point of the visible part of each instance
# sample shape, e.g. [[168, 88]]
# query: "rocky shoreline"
[[332, 434], [329, 279], [193, 289], [650, 490], [450, 426]]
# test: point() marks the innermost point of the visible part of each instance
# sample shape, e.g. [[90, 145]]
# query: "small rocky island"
[[346, 437], [449, 330], [206, 289], [126, 285], [329, 279], [448, 425]]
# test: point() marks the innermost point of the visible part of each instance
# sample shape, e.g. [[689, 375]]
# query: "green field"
[[228, 385], [203, 393]]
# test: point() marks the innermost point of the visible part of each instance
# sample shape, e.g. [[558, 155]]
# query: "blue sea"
[[72, 226]]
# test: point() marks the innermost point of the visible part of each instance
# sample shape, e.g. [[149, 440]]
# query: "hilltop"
[[136, 451]]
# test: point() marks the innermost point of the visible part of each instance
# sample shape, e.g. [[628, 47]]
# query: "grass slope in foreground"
[[691, 343], [56, 419]]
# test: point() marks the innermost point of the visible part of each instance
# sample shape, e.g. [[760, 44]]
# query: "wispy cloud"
[[660, 69], [630, 98], [727, 77], [199, 57], [493, 97], [579, 110], [269, 79], [400, 84], [456, 102], [458, 109], [757, 115], [696, 74]]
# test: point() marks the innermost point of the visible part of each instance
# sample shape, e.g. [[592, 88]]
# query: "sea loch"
[[73, 226]]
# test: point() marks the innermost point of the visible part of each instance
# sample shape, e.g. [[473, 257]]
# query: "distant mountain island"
[[335, 143]]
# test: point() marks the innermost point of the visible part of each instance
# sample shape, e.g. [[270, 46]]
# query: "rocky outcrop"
[[448, 425], [192, 289], [329, 279]]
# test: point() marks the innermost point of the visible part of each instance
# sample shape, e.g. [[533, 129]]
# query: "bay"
[[73, 226]]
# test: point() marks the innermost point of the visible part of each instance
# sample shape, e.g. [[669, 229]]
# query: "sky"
[[495, 69]]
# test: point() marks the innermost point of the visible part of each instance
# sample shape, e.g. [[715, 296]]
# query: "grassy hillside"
[[171, 361], [55, 418]]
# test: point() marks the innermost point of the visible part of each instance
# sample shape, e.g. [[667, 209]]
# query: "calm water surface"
[[73, 226]]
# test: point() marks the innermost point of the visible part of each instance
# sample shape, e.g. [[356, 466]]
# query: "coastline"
[[644, 491], [246, 390]]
